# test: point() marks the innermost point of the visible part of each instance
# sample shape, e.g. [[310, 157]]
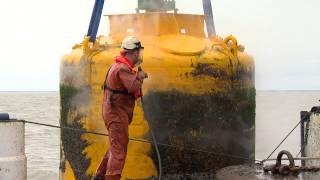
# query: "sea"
[[277, 112]]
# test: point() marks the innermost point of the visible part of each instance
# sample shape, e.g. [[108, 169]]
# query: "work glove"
[[142, 75]]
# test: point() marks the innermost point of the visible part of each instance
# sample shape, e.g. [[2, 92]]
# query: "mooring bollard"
[[312, 136], [13, 161]]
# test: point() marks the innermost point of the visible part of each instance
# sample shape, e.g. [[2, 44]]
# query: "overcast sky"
[[282, 36]]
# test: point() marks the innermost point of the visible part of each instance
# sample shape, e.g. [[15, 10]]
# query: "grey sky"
[[282, 36]]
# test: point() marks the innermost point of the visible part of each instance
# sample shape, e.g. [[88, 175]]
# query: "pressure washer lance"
[[154, 140]]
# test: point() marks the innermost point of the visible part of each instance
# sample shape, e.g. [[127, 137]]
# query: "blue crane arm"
[[207, 9], [98, 7], [95, 20]]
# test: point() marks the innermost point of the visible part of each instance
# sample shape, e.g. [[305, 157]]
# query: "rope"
[[285, 138], [79, 130], [141, 140]]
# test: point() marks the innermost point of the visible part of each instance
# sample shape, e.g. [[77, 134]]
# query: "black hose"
[[154, 140]]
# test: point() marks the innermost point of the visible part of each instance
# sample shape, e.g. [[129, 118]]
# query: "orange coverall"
[[122, 89]]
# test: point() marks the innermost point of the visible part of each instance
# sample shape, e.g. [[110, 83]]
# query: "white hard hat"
[[131, 43]]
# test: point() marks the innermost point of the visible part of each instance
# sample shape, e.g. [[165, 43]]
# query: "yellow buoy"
[[199, 97]]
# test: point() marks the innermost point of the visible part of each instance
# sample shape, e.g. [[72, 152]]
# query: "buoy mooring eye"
[[283, 169]]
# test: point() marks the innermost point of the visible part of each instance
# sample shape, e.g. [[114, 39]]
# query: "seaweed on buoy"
[[202, 128], [71, 140]]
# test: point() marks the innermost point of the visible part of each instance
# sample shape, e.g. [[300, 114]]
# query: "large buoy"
[[199, 98]]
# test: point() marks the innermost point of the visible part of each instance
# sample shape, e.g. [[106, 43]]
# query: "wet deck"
[[251, 172]]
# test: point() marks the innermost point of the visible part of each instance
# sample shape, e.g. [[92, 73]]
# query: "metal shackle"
[[285, 169]]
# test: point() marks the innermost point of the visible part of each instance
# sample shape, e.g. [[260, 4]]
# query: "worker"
[[121, 88]]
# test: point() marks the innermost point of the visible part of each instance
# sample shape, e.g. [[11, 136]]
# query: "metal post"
[[303, 115]]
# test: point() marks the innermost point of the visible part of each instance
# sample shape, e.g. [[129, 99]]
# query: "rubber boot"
[[99, 178]]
